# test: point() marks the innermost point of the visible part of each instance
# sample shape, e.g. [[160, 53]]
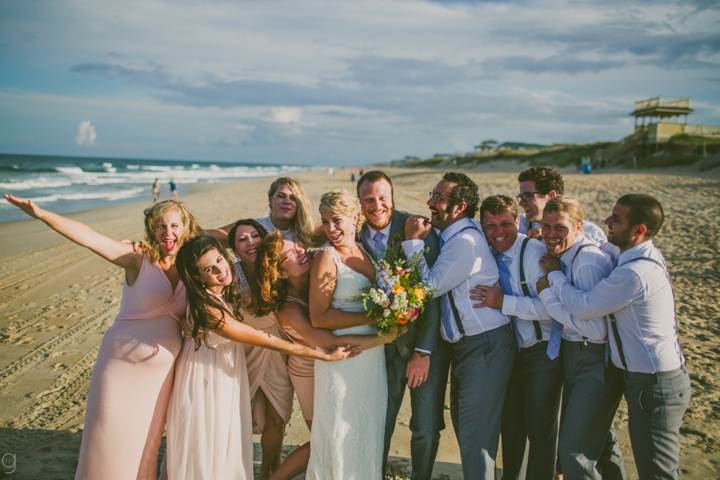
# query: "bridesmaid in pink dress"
[[209, 421], [283, 270], [270, 388], [133, 376]]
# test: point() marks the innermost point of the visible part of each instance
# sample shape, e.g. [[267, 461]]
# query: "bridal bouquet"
[[399, 295]]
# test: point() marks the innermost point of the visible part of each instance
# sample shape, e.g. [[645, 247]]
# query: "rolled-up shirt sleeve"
[[525, 308]]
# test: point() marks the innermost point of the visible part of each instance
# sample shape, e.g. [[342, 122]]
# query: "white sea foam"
[[70, 170], [90, 196], [40, 182]]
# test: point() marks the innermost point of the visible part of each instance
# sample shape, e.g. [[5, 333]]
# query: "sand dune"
[[57, 299]]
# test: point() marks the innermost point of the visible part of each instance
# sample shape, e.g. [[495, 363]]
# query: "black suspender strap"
[[523, 284], [456, 313], [616, 334], [572, 281]]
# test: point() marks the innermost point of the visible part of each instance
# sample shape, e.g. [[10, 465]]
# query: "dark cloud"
[[656, 43], [155, 76], [557, 63]]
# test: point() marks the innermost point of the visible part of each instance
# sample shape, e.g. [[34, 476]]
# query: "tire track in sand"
[[16, 329], [64, 401], [36, 356]]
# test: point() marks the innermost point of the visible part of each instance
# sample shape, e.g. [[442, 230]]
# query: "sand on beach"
[[57, 300]]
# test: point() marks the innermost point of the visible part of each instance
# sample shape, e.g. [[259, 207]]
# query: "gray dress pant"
[[481, 367], [656, 405], [427, 404], [531, 413], [593, 394]]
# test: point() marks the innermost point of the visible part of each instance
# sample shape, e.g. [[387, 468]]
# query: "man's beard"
[[389, 219]]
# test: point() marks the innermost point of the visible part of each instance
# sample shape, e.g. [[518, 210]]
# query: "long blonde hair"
[[153, 213], [302, 223], [344, 203]]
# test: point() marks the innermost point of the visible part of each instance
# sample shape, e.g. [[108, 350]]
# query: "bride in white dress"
[[346, 441]]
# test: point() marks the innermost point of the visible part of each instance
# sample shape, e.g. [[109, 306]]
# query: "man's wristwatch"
[[423, 354]]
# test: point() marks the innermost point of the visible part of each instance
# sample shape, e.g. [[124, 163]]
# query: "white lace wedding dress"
[[348, 426]]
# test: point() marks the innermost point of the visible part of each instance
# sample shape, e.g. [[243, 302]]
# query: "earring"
[[204, 285]]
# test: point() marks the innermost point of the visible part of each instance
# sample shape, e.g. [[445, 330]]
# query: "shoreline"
[[58, 299]]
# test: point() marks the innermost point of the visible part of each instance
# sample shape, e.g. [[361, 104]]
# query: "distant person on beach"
[[539, 185], [156, 190], [637, 300], [133, 376], [352, 176], [173, 189], [585, 165]]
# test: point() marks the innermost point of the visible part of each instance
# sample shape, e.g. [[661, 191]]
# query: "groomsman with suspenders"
[[419, 362], [481, 341], [532, 403], [639, 304], [539, 185]]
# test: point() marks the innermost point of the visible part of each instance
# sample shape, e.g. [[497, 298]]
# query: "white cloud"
[[243, 126], [86, 135], [284, 115]]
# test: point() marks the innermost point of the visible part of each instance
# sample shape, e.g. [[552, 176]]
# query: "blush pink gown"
[[301, 369], [209, 424], [267, 369], [267, 372], [132, 380]]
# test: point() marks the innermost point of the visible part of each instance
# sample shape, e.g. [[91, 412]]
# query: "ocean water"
[[72, 184]]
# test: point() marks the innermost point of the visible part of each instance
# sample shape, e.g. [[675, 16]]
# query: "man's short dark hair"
[[497, 204], [465, 191], [643, 209], [546, 179], [374, 176]]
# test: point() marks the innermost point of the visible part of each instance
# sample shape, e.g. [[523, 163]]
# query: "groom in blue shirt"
[[420, 361]]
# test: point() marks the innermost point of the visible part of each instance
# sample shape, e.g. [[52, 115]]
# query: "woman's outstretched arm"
[[295, 316], [236, 331], [121, 254]]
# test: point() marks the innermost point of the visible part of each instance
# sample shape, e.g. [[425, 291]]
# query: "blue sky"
[[344, 83]]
